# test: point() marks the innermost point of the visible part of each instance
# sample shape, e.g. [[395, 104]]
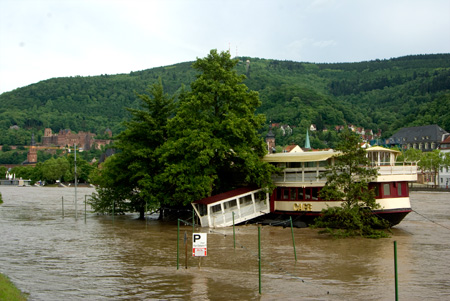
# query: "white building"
[[444, 172]]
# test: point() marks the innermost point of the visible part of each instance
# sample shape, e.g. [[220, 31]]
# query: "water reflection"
[[56, 258]]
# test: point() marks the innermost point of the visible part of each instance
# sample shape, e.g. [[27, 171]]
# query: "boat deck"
[[236, 206]]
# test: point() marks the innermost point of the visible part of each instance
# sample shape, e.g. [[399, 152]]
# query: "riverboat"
[[298, 186]]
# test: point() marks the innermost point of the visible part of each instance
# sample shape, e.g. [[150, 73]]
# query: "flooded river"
[[55, 258]]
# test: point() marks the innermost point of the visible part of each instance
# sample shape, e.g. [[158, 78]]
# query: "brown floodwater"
[[55, 258]]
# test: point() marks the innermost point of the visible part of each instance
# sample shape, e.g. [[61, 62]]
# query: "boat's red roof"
[[225, 195]]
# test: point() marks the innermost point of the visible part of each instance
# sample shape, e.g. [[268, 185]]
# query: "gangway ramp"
[[246, 203]]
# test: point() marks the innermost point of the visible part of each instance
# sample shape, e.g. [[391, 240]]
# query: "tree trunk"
[[141, 213]]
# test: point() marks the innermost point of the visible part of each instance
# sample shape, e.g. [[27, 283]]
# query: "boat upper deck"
[[309, 168]]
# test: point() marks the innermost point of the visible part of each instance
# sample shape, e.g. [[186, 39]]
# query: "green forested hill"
[[380, 94]]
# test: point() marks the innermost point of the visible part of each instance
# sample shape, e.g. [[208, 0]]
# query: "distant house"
[[425, 138], [444, 172], [360, 131], [293, 148], [108, 153], [339, 128]]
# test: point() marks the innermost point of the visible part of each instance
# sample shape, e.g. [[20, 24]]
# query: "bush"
[[356, 221], [6, 148]]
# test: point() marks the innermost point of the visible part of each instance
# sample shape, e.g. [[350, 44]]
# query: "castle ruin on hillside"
[[84, 140]]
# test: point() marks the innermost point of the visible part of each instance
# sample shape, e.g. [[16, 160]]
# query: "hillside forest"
[[175, 150], [381, 95]]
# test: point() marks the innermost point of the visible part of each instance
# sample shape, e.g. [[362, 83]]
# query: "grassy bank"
[[8, 291]]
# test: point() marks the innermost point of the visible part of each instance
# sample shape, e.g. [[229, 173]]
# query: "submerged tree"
[[348, 180], [211, 145], [128, 179], [214, 145]]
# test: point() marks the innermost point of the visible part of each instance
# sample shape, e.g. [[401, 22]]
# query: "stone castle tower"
[[32, 152]]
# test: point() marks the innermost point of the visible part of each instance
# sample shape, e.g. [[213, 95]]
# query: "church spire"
[[307, 144]]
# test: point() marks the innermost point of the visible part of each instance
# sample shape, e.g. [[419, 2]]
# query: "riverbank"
[[8, 291], [425, 187]]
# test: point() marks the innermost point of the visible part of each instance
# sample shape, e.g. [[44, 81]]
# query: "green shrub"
[[8, 291], [347, 222]]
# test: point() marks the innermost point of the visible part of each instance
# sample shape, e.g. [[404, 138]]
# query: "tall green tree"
[[214, 145], [410, 155], [348, 180], [129, 177], [83, 169], [55, 169], [3, 170], [430, 162]]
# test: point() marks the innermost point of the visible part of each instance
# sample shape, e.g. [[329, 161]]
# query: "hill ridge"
[[378, 94]]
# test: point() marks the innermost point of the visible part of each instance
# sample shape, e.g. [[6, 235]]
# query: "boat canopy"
[[382, 149], [382, 156], [300, 157]]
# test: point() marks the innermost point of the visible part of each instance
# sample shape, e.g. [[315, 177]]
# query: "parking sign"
[[199, 244]]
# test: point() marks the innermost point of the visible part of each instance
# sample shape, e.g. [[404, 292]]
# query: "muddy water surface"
[[56, 258]]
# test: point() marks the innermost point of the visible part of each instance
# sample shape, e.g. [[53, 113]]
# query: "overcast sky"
[[41, 39]]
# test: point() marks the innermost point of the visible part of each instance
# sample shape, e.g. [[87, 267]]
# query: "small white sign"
[[199, 244]]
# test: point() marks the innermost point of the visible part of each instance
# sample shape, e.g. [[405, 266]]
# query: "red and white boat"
[[298, 186]]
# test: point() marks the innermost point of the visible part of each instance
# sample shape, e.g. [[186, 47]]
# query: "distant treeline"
[[380, 94]]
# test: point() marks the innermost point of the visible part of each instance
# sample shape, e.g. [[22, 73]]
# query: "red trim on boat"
[[225, 195]]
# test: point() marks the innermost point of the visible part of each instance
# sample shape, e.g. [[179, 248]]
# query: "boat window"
[[376, 189], [315, 193], [202, 209], [295, 164], [323, 163], [230, 204], [245, 200], [310, 164], [300, 194], [279, 191], [399, 189], [387, 189], [285, 194], [293, 194], [216, 208], [307, 193]]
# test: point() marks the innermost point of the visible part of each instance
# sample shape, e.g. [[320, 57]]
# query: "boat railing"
[[242, 213], [397, 170], [316, 175], [226, 217], [244, 207], [303, 175]]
